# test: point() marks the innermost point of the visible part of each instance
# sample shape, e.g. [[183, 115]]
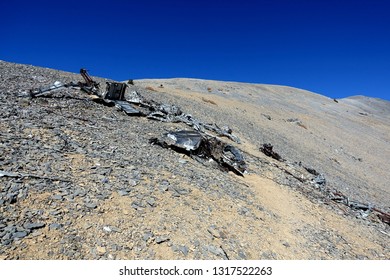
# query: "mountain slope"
[[81, 181], [347, 140]]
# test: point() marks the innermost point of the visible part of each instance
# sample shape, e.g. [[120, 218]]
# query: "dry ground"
[[177, 208]]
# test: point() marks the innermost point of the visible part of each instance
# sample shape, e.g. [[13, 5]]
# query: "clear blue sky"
[[336, 48]]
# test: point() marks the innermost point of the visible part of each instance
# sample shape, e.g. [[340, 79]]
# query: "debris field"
[[132, 173]]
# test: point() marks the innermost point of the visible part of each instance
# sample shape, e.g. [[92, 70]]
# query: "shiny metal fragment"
[[196, 144], [127, 108], [188, 140], [36, 92]]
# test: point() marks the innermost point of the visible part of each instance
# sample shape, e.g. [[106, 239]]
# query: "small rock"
[[18, 228], [91, 205], [268, 117], [6, 242], [10, 228], [87, 226], [215, 232], [138, 205], [151, 201], [6, 236], [79, 192], [164, 186], [242, 255], [20, 234], [133, 183], [56, 212], [54, 226], [12, 198], [36, 233], [101, 250], [181, 248], [181, 191], [123, 192], [115, 229], [147, 236], [218, 251], [243, 211], [57, 197], [107, 229], [269, 255], [34, 225], [162, 238], [114, 247]]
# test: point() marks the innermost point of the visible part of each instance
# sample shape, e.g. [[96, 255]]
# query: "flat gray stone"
[[91, 205], [55, 226], [162, 238], [57, 197], [20, 234], [123, 192], [34, 225], [180, 248]]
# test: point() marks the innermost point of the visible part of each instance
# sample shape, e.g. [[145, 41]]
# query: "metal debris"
[[197, 143], [311, 170], [127, 108], [267, 149], [318, 180], [90, 86], [363, 208], [203, 147], [172, 113], [112, 96], [41, 91], [188, 140], [384, 217], [115, 91]]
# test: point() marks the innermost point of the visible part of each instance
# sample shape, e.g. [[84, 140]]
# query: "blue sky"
[[335, 48]]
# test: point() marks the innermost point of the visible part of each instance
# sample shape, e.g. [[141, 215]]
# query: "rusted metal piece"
[[383, 216], [89, 83], [90, 86]]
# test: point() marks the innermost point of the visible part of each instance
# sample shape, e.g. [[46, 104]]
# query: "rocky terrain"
[[81, 180]]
